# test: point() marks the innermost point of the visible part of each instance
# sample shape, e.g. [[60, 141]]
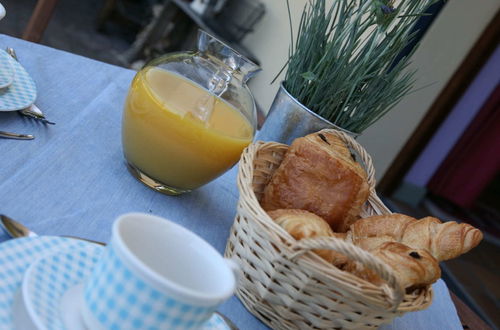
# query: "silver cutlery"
[[12, 53], [229, 323], [15, 230], [32, 111], [9, 135]]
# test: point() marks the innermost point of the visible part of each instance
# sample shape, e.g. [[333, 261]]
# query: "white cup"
[[156, 274], [2, 11]]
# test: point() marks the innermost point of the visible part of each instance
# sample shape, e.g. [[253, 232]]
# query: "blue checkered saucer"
[[52, 290], [21, 92], [7, 72], [16, 255]]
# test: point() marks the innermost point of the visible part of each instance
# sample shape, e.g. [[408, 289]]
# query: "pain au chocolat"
[[319, 174]]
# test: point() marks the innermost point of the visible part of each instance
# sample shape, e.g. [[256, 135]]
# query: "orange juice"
[[168, 140]]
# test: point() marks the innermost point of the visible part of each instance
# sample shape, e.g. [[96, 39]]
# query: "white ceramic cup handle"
[[2, 11], [235, 268]]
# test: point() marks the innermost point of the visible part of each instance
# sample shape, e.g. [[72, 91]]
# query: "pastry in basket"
[[319, 174], [303, 224], [443, 240], [413, 268]]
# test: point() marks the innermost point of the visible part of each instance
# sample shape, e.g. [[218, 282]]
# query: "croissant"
[[443, 240], [303, 224], [369, 233], [413, 268], [319, 174]]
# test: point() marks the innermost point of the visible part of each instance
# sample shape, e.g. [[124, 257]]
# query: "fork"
[[32, 111]]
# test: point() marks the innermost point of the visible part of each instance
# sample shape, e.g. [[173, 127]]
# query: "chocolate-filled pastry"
[[319, 174], [303, 224], [413, 268]]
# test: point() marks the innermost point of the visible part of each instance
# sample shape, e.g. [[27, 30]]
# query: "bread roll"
[[319, 174], [303, 224]]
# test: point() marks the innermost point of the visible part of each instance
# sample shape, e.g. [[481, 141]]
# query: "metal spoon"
[[14, 229], [9, 135], [229, 323]]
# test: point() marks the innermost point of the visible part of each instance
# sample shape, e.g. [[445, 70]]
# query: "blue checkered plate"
[[21, 93], [16, 256], [52, 289], [7, 72]]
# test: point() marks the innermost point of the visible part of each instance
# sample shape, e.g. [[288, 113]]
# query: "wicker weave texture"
[[286, 285]]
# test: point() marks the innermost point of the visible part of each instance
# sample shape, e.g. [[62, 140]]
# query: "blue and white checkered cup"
[[156, 274]]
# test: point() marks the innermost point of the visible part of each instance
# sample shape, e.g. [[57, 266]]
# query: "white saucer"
[[16, 256], [21, 93], [52, 290]]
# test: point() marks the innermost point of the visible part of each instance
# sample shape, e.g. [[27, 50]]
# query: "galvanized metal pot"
[[288, 119]]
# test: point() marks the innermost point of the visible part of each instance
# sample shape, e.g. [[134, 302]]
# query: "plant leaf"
[[310, 76]]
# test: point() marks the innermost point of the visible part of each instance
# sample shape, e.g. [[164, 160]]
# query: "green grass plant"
[[345, 63]]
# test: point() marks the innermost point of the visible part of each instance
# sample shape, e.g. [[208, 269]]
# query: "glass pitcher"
[[188, 116]]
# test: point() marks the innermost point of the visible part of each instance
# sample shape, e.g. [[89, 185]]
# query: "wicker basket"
[[286, 285]]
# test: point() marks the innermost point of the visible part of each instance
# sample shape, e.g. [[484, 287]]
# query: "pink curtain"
[[474, 160]]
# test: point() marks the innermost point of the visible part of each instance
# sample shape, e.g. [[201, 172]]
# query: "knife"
[[9, 135]]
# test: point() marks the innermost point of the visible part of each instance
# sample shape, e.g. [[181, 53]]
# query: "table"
[[71, 180]]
